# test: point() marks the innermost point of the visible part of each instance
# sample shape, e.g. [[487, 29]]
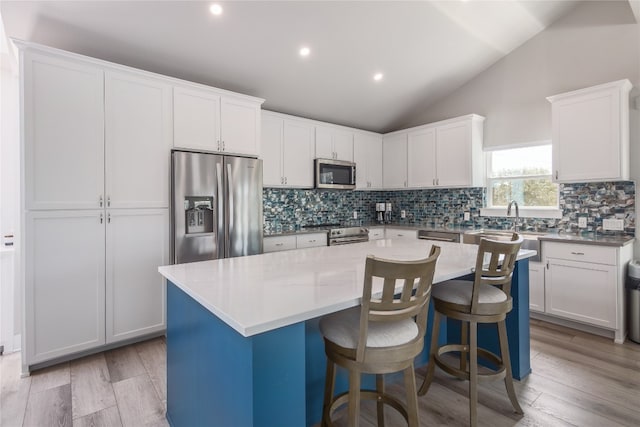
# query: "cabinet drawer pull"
[[577, 253], [279, 244], [312, 241]]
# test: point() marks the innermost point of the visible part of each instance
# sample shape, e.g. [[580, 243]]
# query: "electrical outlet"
[[403, 214], [613, 224], [355, 214], [582, 222], [467, 216]]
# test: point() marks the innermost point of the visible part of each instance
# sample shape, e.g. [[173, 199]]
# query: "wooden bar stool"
[[381, 336], [485, 300]]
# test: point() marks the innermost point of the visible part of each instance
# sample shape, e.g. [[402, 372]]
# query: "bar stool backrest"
[[494, 266], [411, 301]]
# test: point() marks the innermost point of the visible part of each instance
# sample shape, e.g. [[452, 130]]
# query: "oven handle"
[[346, 242], [440, 239]]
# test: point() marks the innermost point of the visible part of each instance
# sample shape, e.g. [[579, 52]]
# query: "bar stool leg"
[[379, 403], [473, 374], [464, 330], [431, 367], [329, 383], [354, 398], [506, 360], [412, 396]]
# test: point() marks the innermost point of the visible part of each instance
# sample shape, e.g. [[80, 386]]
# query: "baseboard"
[[573, 325]]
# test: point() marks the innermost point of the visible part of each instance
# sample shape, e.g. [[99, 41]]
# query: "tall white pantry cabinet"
[[95, 200]]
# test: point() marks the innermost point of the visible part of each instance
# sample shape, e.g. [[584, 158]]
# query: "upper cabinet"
[[287, 151], [205, 119], [394, 153], [138, 129], [590, 135], [334, 143], [367, 154], [443, 154], [63, 132]]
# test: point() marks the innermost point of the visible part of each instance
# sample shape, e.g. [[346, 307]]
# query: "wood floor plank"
[[51, 377], [14, 390], [123, 363], [153, 354], [138, 402], [91, 389], [109, 417], [51, 407]]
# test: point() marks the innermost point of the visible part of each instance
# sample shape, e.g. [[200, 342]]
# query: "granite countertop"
[[253, 294], [593, 238]]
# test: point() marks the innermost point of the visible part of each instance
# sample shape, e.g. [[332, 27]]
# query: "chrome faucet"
[[513, 202]]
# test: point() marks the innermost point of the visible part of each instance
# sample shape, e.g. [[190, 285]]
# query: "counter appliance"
[[216, 206]]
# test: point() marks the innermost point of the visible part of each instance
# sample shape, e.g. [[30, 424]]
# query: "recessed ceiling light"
[[215, 9], [378, 76], [305, 51]]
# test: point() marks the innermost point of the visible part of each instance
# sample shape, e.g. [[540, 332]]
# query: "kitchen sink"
[[531, 239]]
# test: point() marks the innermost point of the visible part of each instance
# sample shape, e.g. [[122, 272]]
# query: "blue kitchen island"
[[243, 346]]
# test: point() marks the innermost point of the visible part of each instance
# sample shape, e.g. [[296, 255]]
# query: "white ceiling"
[[426, 49]]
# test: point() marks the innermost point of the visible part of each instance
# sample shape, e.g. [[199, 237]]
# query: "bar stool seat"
[[381, 336], [485, 300]]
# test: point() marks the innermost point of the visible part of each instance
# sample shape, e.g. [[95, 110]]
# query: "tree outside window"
[[523, 175]]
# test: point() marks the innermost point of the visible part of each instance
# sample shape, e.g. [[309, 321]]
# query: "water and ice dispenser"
[[199, 214]]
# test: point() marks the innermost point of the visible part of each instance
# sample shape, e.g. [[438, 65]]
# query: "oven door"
[[335, 174]]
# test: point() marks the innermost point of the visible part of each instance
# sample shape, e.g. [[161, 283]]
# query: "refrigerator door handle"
[[220, 206], [230, 212]]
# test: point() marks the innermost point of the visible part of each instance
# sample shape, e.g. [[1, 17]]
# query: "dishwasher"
[[440, 236]]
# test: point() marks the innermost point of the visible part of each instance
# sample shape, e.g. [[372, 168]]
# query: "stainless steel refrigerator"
[[217, 206]]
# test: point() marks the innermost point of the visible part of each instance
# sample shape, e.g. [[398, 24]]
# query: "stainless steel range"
[[347, 235]]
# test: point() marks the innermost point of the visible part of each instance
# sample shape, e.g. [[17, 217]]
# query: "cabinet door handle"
[[101, 218], [109, 218], [286, 180], [218, 145], [437, 181], [223, 146], [577, 253], [547, 265], [556, 174], [100, 201], [108, 201]]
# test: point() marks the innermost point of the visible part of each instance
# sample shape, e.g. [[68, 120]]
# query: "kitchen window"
[[522, 174]]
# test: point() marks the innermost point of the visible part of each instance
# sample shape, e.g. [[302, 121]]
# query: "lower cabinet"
[[91, 278], [135, 294], [585, 283], [294, 241], [536, 286], [399, 233]]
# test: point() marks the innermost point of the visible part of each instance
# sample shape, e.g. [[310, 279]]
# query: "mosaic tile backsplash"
[[291, 209]]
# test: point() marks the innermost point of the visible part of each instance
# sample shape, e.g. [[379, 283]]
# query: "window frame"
[[525, 211]]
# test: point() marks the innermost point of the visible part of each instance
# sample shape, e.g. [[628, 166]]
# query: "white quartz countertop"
[[259, 293]]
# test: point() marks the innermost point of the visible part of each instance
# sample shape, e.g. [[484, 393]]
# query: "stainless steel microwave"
[[336, 174]]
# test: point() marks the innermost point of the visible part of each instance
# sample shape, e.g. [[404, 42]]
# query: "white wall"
[[10, 292], [595, 43]]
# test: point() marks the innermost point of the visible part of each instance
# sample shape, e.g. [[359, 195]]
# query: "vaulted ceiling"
[[424, 49]]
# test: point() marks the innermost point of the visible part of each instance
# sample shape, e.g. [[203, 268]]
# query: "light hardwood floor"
[[578, 380]]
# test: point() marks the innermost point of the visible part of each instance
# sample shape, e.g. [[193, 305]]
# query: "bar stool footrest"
[[446, 366], [343, 399]]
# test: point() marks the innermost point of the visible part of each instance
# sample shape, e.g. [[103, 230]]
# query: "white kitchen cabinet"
[[421, 158], [287, 151], [585, 283], [334, 143], [394, 154], [63, 121], [311, 240], [446, 154], [367, 154], [138, 134], [136, 244], [536, 286], [400, 233], [279, 243], [590, 133], [376, 233], [64, 283], [206, 120]]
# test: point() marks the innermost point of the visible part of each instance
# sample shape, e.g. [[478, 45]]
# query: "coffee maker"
[[387, 213], [380, 208]]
